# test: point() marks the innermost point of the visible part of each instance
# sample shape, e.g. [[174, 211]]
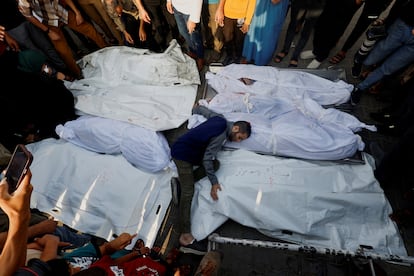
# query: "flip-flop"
[[340, 56], [279, 57]]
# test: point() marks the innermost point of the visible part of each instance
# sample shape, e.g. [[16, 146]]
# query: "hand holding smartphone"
[[18, 166]]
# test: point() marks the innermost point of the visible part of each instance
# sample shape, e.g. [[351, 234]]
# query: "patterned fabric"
[[50, 12]]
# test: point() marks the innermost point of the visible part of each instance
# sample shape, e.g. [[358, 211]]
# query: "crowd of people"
[[40, 42], [233, 31]]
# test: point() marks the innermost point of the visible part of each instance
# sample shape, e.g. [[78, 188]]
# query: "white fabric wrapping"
[[270, 80], [323, 204], [95, 193], [146, 149], [155, 91], [295, 126]]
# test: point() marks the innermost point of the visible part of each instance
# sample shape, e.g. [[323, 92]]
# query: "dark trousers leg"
[[188, 176], [330, 26]]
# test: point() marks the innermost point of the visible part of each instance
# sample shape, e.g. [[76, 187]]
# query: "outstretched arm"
[[219, 16], [48, 244], [143, 14], [74, 8], [204, 111], [44, 227], [117, 244], [17, 208]]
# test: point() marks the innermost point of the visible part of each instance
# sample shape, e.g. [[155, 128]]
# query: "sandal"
[[279, 57], [340, 56], [293, 63]]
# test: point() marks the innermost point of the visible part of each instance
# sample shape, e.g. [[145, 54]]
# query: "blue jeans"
[[68, 235], [397, 49], [194, 40]]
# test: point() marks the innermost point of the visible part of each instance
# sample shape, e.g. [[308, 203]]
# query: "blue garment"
[[83, 256], [68, 235], [260, 41], [194, 40], [191, 146], [397, 49]]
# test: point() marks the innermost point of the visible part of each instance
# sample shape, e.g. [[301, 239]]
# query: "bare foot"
[[186, 239], [279, 57], [210, 264]]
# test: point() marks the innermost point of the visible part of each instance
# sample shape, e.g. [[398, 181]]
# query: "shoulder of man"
[[204, 111]]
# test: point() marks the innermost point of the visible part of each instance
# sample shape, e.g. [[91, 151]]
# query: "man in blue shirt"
[[199, 147]]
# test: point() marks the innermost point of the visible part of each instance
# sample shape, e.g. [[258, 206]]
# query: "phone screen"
[[18, 165]]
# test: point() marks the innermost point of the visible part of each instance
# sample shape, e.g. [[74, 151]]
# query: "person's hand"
[[128, 37], [169, 7], [143, 14], [2, 33], [274, 2], [50, 240], [245, 28], [17, 205], [219, 17], [79, 18], [53, 35], [13, 44], [47, 225], [214, 190], [191, 26], [142, 34], [120, 242], [118, 10], [144, 251]]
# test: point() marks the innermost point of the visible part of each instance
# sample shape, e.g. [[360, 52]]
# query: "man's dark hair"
[[244, 127]]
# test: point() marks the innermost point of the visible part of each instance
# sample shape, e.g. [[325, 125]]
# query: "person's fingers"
[[214, 195], [64, 244], [4, 187], [26, 185], [126, 238]]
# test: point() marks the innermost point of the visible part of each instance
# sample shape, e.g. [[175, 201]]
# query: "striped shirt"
[[49, 12]]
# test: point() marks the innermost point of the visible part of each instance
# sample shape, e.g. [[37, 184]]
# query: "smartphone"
[[17, 168]]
